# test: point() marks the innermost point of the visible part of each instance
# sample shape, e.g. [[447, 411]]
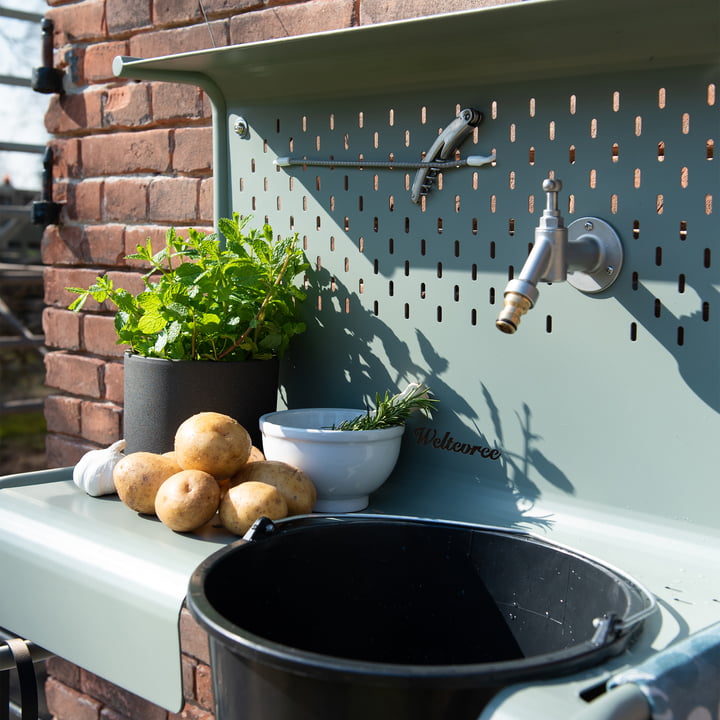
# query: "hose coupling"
[[515, 305]]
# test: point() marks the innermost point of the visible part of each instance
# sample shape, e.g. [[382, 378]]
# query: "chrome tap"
[[588, 254]]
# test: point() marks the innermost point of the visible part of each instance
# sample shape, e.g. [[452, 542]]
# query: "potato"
[[139, 475], [187, 500], [294, 485], [243, 504], [212, 442], [256, 455]]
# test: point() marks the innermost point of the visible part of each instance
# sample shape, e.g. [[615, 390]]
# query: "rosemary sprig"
[[392, 410]]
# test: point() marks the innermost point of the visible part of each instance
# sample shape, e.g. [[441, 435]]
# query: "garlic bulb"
[[94, 471]]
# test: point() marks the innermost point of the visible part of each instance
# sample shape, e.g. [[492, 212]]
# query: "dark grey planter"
[[160, 394]]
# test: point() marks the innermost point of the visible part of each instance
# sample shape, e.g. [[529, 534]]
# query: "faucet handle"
[[552, 187]]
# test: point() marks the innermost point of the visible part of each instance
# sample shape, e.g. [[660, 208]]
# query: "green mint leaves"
[[210, 300]]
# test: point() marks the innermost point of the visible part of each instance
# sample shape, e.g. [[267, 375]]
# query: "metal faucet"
[[588, 254]]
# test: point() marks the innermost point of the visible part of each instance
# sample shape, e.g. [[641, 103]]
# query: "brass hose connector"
[[515, 305]]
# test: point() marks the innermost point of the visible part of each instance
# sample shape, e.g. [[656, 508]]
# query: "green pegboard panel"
[[608, 399]]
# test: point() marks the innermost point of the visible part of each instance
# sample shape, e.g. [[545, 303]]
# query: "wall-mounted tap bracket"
[[588, 254], [596, 253]]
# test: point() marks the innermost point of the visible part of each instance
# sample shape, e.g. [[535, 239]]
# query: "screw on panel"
[[589, 226], [241, 128]]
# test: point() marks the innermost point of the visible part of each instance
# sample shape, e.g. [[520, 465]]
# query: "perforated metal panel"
[[606, 401], [611, 398]]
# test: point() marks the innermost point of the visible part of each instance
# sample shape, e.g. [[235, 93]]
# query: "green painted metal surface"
[[522, 41], [96, 583]]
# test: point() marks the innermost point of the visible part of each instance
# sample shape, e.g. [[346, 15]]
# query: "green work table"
[[94, 582]]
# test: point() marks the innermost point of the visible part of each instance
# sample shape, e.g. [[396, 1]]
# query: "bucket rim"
[[559, 662]]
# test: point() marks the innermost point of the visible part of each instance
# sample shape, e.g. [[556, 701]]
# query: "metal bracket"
[[47, 79], [595, 246], [45, 212], [438, 158]]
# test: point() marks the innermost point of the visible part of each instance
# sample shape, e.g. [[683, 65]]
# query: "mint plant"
[[205, 299]]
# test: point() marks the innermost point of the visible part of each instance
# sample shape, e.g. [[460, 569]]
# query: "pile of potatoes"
[[213, 468]]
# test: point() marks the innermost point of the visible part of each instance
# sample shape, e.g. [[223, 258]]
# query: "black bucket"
[[372, 617]]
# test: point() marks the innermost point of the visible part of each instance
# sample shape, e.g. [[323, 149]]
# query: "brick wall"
[[132, 158]]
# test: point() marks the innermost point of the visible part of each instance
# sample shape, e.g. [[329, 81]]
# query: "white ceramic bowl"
[[345, 465]]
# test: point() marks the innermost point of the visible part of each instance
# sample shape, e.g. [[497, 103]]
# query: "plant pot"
[[160, 394]]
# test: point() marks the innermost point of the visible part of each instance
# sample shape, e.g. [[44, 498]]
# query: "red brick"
[[377, 11], [131, 281], [62, 451], [178, 40], [66, 158], [64, 671], [127, 106], [204, 687], [127, 15], [62, 415], [138, 234], [114, 390], [61, 328], [56, 280], [176, 101], [207, 106], [100, 337], [193, 150], [80, 21], [176, 12], [72, 61], [125, 199], [101, 422], [126, 153], [217, 7], [75, 374], [191, 712], [109, 714], [73, 112], [188, 666], [193, 638], [205, 202], [98, 58], [104, 244], [64, 703], [173, 200], [60, 195], [308, 17], [120, 700], [62, 245], [84, 200]]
